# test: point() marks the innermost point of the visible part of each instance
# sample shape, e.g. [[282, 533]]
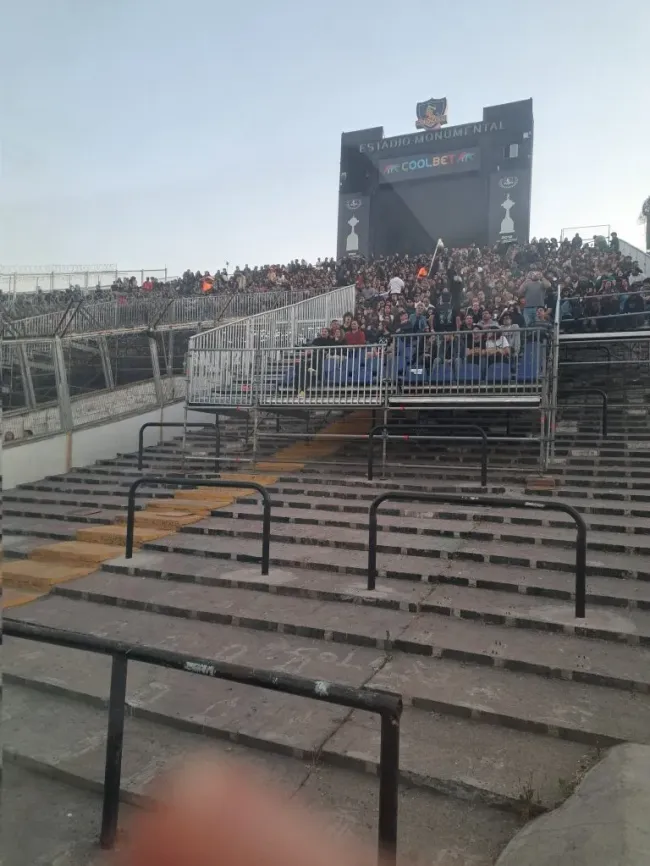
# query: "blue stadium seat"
[[531, 364], [442, 373], [334, 372], [498, 373], [415, 375], [468, 373]]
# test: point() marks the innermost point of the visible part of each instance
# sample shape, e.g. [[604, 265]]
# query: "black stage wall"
[[465, 184]]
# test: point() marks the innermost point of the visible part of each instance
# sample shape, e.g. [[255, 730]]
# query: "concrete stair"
[[509, 698]]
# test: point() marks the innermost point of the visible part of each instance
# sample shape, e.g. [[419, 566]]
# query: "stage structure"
[[466, 184]]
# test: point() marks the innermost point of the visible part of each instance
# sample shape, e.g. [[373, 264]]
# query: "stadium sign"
[[400, 141]]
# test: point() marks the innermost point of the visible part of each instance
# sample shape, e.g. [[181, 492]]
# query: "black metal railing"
[[593, 392], [386, 704], [391, 432], [217, 437], [201, 482], [488, 502]]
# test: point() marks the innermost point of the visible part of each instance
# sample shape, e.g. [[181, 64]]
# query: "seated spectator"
[[510, 332], [486, 321], [355, 336], [497, 347], [324, 338]]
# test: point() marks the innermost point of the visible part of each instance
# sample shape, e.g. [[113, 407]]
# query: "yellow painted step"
[[212, 494], [16, 597], [29, 574], [116, 535], [186, 506], [78, 553], [170, 521], [247, 476], [281, 466]]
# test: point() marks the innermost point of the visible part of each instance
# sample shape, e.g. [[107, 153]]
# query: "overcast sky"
[[158, 132]]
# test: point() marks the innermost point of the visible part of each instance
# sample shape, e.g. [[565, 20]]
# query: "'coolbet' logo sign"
[[411, 167]]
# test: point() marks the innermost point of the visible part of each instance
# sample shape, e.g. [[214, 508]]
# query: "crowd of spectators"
[[600, 289]]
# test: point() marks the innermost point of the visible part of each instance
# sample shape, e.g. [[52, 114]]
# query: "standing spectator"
[[395, 286], [533, 292]]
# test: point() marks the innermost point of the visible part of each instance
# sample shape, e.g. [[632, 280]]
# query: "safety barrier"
[[488, 502], [163, 424], [459, 364], [201, 482], [85, 316], [385, 704], [386, 429], [320, 375], [291, 325], [596, 392]]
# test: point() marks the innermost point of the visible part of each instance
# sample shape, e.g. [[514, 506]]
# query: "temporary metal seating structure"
[[263, 363]]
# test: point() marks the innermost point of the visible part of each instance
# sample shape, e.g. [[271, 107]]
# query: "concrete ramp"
[[604, 823]]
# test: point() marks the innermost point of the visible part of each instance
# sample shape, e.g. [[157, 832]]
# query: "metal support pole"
[[384, 445], [62, 389], [169, 360], [255, 433], [184, 446], [217, 443], [155, 366], [114, 742], [388, 788], [26, 376], [105, 358]]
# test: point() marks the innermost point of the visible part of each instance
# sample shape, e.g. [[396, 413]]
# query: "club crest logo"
[[431, 114], [509, 182]]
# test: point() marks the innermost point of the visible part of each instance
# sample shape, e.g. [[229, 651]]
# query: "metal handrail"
[[489, 502], [201, 482], [385, 429], [597, 392], [217, 444], [387, 705]]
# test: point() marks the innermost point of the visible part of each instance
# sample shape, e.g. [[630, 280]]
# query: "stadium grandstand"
[[496, 399]]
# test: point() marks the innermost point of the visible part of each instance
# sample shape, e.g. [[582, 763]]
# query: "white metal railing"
[[460, 363], [322, 375], [221, 377], [637, 255], [62, 278], [284, 327], [140, 312], [491, 363]]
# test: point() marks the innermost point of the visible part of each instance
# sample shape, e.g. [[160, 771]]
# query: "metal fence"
[[82, 316], [322, 375], [61, 278], [415, 366], [287, 326]]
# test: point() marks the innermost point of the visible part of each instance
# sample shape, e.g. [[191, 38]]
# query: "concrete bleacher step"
[[403, 594], [630, 626], [345, 547], [355, 516], [508, 697], [469, 771], [346, 798], [478, 529]]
